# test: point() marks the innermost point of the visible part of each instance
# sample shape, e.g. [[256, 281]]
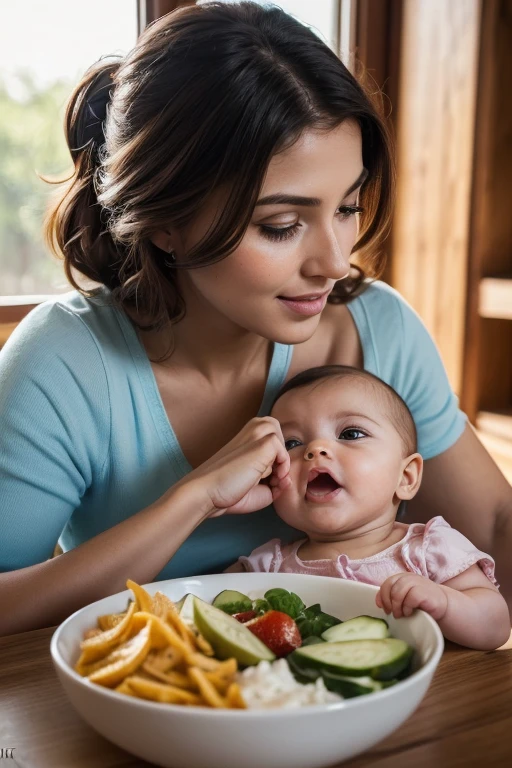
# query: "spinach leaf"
[[314, 621], [261, 606], [287, 602]]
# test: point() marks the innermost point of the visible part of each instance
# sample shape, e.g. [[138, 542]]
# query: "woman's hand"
[[230, 481], [402, 593]]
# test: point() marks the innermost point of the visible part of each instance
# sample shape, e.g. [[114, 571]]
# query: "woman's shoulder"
[[58, 348], [67, 325], [384, 309], [398, 348], [66, 311]]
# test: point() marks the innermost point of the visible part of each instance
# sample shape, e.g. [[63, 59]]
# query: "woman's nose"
[[329, 259], [316, 451]]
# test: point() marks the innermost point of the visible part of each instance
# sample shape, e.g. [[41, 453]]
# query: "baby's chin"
[[326, 520]]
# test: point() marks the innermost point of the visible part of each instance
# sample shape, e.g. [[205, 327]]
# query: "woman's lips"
[[305, 306]]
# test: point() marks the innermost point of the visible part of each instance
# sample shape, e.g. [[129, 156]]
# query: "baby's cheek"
[[288, 505]]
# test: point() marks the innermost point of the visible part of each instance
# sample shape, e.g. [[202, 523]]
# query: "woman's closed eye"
[[352, 433], [279, 233]]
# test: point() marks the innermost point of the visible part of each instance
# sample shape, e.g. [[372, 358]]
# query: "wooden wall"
[[436, 109]]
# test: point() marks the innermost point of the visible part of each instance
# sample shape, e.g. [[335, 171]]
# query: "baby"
[[353, 459]]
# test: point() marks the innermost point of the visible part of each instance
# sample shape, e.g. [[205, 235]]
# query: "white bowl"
[[194, 737]]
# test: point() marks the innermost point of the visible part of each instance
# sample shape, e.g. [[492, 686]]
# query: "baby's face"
[[346, 457]]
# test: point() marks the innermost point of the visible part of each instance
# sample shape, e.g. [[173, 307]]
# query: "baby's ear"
[[410, 480]]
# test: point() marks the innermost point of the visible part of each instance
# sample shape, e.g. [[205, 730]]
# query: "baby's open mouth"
[[321, 484]]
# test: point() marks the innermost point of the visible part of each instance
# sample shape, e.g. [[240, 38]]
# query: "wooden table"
[[465, 719]]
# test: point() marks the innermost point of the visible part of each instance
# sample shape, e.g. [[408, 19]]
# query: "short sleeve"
[[264, 559], [441, 552], [404, 355], [54, 430]]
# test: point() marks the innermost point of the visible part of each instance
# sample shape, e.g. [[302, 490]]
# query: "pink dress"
[[435, 550]]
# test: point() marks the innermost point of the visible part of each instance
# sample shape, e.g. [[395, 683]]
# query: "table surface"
[[465, 719]]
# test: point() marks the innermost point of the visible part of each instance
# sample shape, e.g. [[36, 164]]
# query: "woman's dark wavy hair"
[[205, 99]]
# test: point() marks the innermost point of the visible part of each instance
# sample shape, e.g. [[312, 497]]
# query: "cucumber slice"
[[380, 659], [230, 601], [302, 674], [348, 687], [359, 628], [228, 637], [185, 608]]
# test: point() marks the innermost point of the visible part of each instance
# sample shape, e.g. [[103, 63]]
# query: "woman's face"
[[298, 244]]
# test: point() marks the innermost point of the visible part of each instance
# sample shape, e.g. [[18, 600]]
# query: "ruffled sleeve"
[[439, 552], [264, 559]]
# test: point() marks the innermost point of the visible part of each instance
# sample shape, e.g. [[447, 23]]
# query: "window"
[[45, 47]]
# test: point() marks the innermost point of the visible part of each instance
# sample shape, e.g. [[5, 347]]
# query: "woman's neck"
[[206, 341]]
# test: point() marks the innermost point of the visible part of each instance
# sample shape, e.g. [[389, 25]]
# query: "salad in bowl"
[[252, 669]]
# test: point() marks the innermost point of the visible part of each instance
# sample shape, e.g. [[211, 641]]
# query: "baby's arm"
[[468, 608]]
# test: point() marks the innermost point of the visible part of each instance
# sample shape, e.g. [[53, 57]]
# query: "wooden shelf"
[[495, 298]]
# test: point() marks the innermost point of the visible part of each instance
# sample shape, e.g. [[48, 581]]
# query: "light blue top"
[[85, 441]]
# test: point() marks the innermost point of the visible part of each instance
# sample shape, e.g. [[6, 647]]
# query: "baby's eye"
[[292, 443], [352, 433]]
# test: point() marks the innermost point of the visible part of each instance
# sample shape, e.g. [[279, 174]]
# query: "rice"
[[272, 685]]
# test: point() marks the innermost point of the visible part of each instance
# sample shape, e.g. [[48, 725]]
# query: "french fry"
[[110, 620], [173, 677], [204, 646], [162, 631], [234, 697], [124, 687], [203, 662], [143, 598], [164, 608], [150, 652], [97, 647], [223, 676], [133, 654], [165, 659], [169, 694], [207, 690]]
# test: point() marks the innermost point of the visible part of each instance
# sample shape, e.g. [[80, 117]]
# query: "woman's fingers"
[[278, 489], [234, 482], [256, 498]]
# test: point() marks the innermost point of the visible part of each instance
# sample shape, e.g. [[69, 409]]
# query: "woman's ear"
[[410, 480], [163, 239]]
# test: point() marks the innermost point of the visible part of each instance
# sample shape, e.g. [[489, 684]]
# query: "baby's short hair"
[[398, 412]]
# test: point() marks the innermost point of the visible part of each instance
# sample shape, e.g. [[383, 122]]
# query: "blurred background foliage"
[[31, 145]]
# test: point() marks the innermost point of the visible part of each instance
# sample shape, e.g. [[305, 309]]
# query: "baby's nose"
[[317, 450]]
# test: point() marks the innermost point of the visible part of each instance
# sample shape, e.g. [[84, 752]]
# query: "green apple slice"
[[228, 637]]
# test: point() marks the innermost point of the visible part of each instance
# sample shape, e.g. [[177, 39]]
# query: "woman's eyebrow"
[[283, 199]]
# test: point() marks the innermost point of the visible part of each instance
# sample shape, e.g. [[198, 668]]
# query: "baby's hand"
[[403, 592]]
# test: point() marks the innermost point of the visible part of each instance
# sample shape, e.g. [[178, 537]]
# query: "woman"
[[217, 208]]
